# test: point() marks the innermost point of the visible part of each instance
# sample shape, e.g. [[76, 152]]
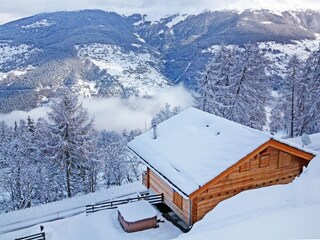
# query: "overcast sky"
[[15, 9]]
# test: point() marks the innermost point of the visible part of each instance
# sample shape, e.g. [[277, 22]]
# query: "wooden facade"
[[271, 163], [180, 205]]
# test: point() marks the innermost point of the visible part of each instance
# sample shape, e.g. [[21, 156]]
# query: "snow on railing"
[[153, 199]]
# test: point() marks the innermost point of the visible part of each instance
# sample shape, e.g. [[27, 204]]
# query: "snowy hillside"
[[16, 55], [137, 70], [277, 212], [281, 53]]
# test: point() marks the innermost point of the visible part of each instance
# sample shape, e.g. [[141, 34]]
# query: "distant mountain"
[[184, 43], [106, 54]]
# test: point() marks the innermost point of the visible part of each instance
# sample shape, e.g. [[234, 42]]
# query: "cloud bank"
[[115, 114], [14, 9]]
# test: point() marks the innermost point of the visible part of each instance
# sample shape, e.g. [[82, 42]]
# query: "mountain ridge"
[[125, 55]]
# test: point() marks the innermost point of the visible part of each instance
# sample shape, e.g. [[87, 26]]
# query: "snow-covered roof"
[[194, 147], [136, 211], [315, 141]]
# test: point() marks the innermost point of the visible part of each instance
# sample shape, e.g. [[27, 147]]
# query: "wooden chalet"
[[197, 160]]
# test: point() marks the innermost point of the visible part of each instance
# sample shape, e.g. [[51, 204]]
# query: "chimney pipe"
[[154, 127]]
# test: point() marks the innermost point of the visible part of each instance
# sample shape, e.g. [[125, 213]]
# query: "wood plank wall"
[[269, 167], [158, 185]]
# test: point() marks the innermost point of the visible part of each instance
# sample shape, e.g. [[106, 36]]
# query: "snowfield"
[[15, 53], [132, 70], [39, 24], [280, 53]]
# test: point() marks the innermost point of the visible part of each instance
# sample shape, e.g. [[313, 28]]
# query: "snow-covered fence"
[[38, 236], [153, 199]]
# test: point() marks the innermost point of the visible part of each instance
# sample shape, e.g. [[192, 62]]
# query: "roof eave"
[[177, 189]]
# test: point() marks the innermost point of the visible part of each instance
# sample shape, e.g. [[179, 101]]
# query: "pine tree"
[[250, 90], [20, 178], [291, 92], [277, 118], [215, 84], [72, 143], [119, 164], [165, 113], [309, 104], [205, 91], [30, 124], [5, 137], [50, 179]]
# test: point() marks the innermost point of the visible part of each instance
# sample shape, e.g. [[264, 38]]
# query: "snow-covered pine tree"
[[20, 178], [276, 118], [30, 124], [165, 113], [205, 91], [251, 89], [129, 135], [50, 176], [5, 137], [72, 143], [290, 93], [119, 164], [309, 104], [214, 86]]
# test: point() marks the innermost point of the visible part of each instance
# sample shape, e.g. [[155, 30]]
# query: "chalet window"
[[245, 167], [284, 159], [177, 199], [264, 160]]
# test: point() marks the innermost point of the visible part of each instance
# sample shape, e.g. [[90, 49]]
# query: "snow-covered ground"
[[17, 72], [19, 53], [39, 24], [55, 210], [177, 19], [280, 53], [129, 68], [278, 212], [314, 138], [100, 225]]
